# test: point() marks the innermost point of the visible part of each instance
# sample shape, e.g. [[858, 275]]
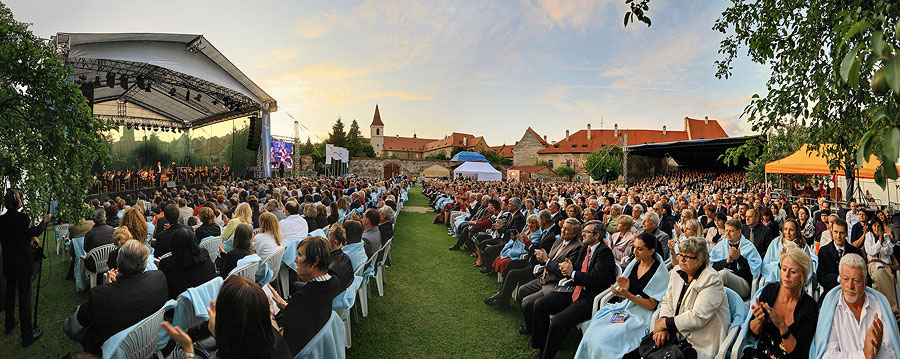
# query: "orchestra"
[[157, 176]]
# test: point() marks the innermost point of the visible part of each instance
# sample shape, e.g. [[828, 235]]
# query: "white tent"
[[478, 170]]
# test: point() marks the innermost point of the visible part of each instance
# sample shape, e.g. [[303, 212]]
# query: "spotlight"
[[187, 96], [172, 92], [123, 81], [111, 80], [140, 81], [148, 85], [97, 81], [198, 97], [215, 102]]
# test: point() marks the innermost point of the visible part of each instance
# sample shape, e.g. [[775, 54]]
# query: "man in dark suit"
[[593, 271], [520, 271], [757, 234], [556, 212], [830, 255], [16, 238], [163, 243], [129, 296], [309, 308], [565, 248], [491, 245], [339, 264], [99, 235]]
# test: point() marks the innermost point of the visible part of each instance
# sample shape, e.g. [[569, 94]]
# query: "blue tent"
[[466, 156]]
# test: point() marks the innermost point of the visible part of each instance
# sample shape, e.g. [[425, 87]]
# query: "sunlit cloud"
[[276, 56], [318, 25]]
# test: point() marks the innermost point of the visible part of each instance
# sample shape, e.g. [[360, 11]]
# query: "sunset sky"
[[488, 68]]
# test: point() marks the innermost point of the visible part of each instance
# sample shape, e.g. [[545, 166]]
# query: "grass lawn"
[[57, 302], [432, 306]]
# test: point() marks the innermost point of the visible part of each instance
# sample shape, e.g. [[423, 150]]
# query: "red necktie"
[[584, 268]]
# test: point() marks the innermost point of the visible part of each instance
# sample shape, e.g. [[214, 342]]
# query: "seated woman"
[[518, 245], [120, 236], [269, 238], [690, 228], [621, 241], [695, 305], [242, 214], [208, 228], [309, 214], [641, 287], [188, 266], [784, 316], [880, 252], [240, 322], [717, 232], [790, 237], [242, 247]]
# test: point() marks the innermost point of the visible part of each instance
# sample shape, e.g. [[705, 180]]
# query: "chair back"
[[736, 308], [62, 231], [190, 311], [141, 340], [329, 342], [100, 255], [247, 267], [274, 260], [228, 243], [211, 245]]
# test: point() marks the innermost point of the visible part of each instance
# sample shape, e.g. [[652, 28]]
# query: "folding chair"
[[274, 260], [211, 245], [140, 341], [100, 255]]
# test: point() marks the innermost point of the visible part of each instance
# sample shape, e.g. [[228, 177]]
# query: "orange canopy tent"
[[813, 163]]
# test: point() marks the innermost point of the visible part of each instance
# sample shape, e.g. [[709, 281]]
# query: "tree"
[[494, 158], [438, 156], [456, 150], [337, 136], [833, 70], [780, 144], [543, 163], [565, 171], [604, 164], [357, 144], [48, 138]]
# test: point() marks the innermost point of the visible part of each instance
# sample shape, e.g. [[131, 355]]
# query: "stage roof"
[[694, 153], [176, 68]]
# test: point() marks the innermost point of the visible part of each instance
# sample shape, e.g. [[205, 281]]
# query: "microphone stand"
[[37, 293]]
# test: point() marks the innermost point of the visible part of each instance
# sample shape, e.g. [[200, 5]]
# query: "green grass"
[[432, 306], [416, 200], [57, 302]]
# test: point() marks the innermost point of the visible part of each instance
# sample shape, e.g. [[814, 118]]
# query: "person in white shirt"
[[269, 238], [852, 216], [857, 330], [880, 252], [294, 226], [826, 236]]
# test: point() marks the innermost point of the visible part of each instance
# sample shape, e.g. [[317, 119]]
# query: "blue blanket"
[[826, 316], [771, 271], [78, 247], [199, 297], [347, 298], [111, 347], [613, 340], [329, 342], [748, 251], [357, 253], [515, 248]]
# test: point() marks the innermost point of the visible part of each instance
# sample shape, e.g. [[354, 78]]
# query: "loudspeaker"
[[170, 184], [87, 89], [255, 133]]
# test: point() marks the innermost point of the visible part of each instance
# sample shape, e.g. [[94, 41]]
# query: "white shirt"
[[576, 267], [881, 250], [293, 227], [847, 334], [264, 244], [825, 239], [852, 218]]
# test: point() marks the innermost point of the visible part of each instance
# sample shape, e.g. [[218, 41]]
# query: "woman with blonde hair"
[[269, 238], [242, 214], [134, 220], [310, 213], [119, 237], [790, 238]]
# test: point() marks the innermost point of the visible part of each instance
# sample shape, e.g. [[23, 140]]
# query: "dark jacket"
[[570, 252], [181, 277], [829, 264], [762, 237], [118, 305], [601, 273], [387, 231], [100, 235], [207, 230], [163, 243], [341, 267], [229, 262], [15, 238], [546, 242], [307, 311]]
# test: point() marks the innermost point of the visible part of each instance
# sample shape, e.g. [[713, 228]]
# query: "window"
[[377, 132], [550, 162]]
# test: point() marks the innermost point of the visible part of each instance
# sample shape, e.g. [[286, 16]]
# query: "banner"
[[336, 153]]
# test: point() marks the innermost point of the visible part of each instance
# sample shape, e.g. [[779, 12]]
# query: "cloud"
[[318, 25], [276, 56], [569, 14]]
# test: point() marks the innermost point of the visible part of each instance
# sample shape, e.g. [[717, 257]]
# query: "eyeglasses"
[[685, 257]]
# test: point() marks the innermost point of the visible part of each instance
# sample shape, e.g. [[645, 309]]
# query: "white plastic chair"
[[211, 245], [185, 316], [100, 255], [247, 270], [379, 267], [599, 300], [62, 235], [362, 295], [142, 340], [274, 261], [228, 244]]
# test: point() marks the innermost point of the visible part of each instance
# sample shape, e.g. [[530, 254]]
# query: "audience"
[[828, 271], [371, 235], [208, 228], [100, 234], [355, 248], [163, 243], [340, 264], [120, 236], [188, 266], [242, 215], [880, 252], [269, 238], [293, 227], [242, 247], [736, 260], [621, 241]]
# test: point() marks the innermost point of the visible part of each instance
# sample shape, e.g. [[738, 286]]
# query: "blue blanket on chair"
[[330, 342]]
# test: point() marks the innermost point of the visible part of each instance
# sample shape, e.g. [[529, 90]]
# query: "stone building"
[[418, 148], [525, 150]]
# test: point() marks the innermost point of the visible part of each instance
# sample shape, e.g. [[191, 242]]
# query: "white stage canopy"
[[478, 170]]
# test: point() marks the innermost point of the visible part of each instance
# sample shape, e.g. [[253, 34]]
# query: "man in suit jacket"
[[371, 235], [163, 243], [519, 271], [309, 308], [556, 212], [129, 296], [759, 235], [99, 235], [592, 271], [830, 255], [566, 247]]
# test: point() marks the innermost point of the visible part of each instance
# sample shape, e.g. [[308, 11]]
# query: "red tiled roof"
[[578, 142], [406, 144], [537, 136], [454, 140], [700, 129], [376, 121], [503, 151], [531, 169]]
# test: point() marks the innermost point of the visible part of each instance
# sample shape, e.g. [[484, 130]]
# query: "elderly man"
[[272, 207], [129, 295], [736, 260], [666, 222], [855, 321], [565, 248], [651, 225], [638, 214], [294, 226], [759, 235]]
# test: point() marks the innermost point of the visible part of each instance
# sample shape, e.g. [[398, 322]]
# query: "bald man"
[[758, 234]]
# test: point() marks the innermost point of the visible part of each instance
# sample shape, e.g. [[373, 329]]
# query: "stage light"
[[172, 92], [97, 81], [111, 80], [198, 97], [148, 85], [187, 96], [123, 81], [140, 81]]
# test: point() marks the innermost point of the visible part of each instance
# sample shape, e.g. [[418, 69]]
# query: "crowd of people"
[[157, 176], [353, 217], [689, 249]]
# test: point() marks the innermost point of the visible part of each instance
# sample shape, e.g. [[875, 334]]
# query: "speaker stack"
[[255, 133]]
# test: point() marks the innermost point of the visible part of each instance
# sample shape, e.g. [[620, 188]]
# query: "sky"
[[487, 68]]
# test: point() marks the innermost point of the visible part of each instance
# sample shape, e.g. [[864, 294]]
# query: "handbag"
[[671, 349]]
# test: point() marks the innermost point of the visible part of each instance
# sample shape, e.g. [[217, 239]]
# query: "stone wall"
[[374, 167], [642, 166], [525, 152]]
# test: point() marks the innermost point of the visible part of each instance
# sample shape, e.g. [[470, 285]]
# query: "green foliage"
[[604, 164], [637, 9], [352, 140], [759, 151], [439, 156], [565, 171], [495, 159], [49, 138], [456, 150], [543, 163], [337, 136]]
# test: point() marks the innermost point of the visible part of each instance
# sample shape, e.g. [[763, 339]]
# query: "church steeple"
[[376, 133], [376, 121]]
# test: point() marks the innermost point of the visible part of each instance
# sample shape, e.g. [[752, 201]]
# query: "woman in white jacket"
[[695, 306]]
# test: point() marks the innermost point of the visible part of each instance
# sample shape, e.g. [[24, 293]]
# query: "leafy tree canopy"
[[604, 164]]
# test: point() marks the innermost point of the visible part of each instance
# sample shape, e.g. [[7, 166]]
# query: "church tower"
[[376, 133]]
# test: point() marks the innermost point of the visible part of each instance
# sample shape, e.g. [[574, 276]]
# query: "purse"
[[671, 349]]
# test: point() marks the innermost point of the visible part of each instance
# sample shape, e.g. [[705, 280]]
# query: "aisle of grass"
[[432, 306], [58, 300]]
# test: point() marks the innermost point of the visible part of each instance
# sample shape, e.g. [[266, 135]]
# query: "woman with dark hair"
[[807, 225], [209, 228], [188, 266], [321, 216], [242, 247], [240, 321], [822, 223], [333, 217], [768, 219], [714, 234]]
